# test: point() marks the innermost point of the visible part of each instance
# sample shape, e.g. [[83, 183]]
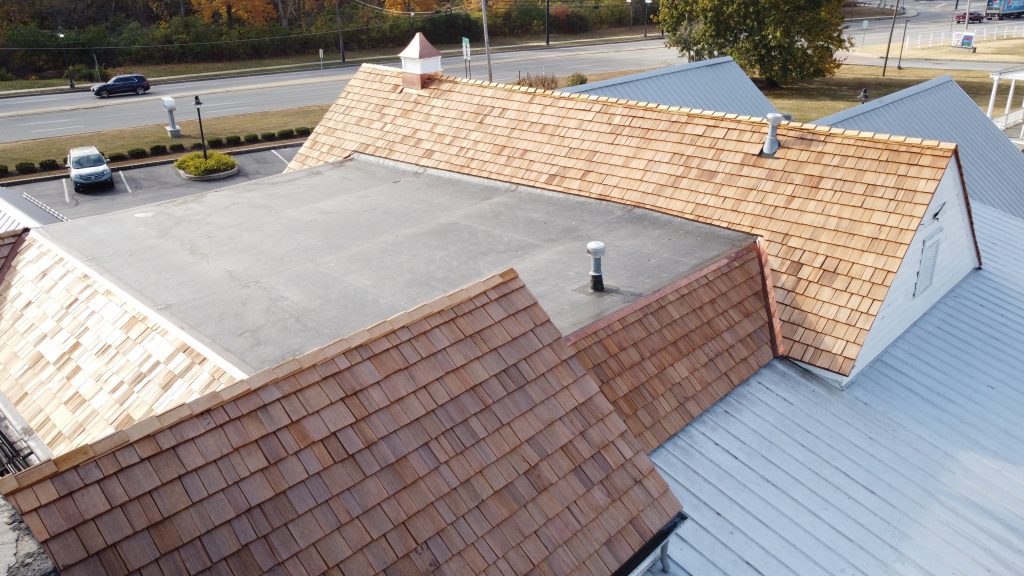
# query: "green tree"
[[777, 40]]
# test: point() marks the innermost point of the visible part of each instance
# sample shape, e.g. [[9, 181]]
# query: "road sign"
[[465, 48], [865, 24]]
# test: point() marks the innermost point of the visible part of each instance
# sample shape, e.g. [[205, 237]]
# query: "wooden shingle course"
[[409, 481]]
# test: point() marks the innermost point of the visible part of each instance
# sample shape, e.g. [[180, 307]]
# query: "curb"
[[907, 14], [208, 177], [130, 165]]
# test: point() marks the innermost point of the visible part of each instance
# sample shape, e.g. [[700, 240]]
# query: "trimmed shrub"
[[117, 157], [303, 131], [157, 150], [268, 136], [48, 164], [286, 133], [4, 170], [215, 142], [177, 147], [26, 168], [193, 163], [233, 140], [252, 138], [196, 146], [136, 152], [544, 81], [575, 79], [568, 21]]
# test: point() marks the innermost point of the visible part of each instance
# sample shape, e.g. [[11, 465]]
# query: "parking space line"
[[279, 156], [125, 180], [64, 183]]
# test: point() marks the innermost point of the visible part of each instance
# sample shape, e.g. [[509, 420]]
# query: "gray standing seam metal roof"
[[718, 84], [915, 469], [271, 268], [940, 110]]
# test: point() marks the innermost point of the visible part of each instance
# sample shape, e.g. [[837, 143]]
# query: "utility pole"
[[547, 22], [487, 41], [967, 16], [341, 32], [892, 28]]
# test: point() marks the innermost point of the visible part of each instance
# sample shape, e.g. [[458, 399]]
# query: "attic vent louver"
[[596, 250], [771, 144]]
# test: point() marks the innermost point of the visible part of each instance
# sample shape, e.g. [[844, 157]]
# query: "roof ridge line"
[[816, 128], [159, 422]]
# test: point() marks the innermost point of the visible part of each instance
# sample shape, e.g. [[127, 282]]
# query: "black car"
[[124, 84]]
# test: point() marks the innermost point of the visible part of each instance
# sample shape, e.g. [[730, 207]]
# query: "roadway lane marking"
[[64, 183], [125, 180], [279, 156], [54, 129], [218, 110], [46, 122]]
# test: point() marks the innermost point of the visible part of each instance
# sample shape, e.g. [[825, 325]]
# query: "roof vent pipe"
[[771, 144], [596, 250]]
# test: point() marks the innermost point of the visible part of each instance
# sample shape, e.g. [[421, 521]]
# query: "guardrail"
[[1009, 120]]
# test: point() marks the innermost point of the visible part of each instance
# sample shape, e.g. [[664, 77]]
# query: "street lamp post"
[[646, 2], [71, 76], [202, 136]]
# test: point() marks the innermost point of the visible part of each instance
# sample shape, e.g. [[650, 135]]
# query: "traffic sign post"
[[321, 59], [864, 36], [466, 57]]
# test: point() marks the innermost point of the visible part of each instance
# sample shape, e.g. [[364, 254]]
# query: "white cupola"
[[420, 62]]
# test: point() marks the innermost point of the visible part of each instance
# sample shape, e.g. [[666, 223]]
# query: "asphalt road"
[[137, 187], [62, 114], [43, 116]]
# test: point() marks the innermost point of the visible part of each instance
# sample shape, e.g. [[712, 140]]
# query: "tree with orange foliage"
[[255, 12], [414, 5]]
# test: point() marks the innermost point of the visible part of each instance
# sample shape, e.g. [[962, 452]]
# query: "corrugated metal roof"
[[940, 110], [718, 84], [17, 211], [915, 469]]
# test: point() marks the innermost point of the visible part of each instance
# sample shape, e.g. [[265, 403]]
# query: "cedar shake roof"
[[668, 358], [460, 437], [78, 360], [838, 208]]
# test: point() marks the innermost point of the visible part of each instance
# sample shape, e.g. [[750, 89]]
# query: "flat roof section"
[[269, 269]]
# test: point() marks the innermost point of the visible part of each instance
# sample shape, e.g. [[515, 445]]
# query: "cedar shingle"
[[450, 464]]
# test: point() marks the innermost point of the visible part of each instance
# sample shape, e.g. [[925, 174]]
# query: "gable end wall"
[[956, 258]]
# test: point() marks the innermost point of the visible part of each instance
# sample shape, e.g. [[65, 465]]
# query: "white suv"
[[87, 167]]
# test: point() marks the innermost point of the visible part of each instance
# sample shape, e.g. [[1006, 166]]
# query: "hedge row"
[[160, 149]]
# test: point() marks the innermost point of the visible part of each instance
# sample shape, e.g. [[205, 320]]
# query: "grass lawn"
[[813, 99], [110, 141], [990, 49]]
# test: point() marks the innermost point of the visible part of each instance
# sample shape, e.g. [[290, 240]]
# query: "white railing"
[[931, 39], [1009, 120]]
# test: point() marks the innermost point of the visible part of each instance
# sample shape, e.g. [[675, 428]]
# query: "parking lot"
[[134, 187]]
